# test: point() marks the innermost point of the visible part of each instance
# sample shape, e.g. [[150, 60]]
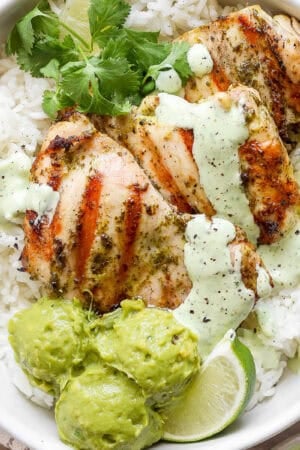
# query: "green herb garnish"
[[105, 76]]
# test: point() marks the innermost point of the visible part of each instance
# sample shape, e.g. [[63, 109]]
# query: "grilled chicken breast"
[[251, 48], [113, 235], [166, 155], [164, 152]]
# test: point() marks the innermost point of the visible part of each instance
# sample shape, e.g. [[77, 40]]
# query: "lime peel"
[[217, 396]]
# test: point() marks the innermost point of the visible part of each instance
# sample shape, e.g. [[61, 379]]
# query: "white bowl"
[[36, 428], [10, 11]]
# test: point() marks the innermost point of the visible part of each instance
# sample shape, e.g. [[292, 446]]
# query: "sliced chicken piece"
[[164, 152], [251, 48], [266, 172], [112, 236]]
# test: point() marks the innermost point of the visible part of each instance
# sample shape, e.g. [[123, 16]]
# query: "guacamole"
[[103, 409], [151, 347], [110, 374], [49, 339]]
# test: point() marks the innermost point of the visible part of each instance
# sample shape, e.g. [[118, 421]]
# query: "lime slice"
[[217, 396], [74, 13]]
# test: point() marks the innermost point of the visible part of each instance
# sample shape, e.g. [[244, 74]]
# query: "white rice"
[[173, 17], [22, 128]]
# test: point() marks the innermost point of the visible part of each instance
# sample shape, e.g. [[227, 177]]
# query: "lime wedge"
[[74, 13], [217, 396]]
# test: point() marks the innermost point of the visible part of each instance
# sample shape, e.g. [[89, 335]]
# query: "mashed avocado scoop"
[[103, 409], [150, 346], [49, 339]]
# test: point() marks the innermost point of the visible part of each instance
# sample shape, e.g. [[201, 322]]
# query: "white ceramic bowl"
[[36, 427]]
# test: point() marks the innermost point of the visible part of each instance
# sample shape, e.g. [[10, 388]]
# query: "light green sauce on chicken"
[[219, 300], [282, 259], [199, 60], [219, 130], [18, 194]]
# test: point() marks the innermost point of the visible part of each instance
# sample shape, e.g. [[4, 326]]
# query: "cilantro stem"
[[82, 53], [76, 35], [71, 31]]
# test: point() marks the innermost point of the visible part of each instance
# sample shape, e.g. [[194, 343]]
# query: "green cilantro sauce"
[[199, 60], [17, 194], [219, 299], [168, 81], [282, 259], [282, 256], [263, 282], [218, 133]]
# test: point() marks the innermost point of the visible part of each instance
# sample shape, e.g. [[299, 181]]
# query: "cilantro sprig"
[[105, 76]]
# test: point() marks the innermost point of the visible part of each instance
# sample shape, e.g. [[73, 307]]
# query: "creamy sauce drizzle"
[[168, 81], [282, 259], [219, 130], [199, 60], [219, 299], [264, 289], [17, 194]]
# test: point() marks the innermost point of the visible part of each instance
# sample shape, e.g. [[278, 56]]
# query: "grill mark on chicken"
[[119, 216], [87, 223], [132, 217], [269, 182], [35, 237], [55, 156], [40, 236], [188, 139], [219, 77], [164, 147], [251, 33], [265, 171], [164, 176]]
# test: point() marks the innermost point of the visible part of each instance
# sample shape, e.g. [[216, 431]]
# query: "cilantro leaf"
[[106, 17], [44, 50], [51, 103], [81, 83], [116, 48], [177, 59], [140, 48], [124, 70], [145, 51], [40, 20], [115, 76], [51, 70], [54, 101], [150, 36]]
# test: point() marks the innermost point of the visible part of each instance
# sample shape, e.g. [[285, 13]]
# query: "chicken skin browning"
[[165, 153], [113, 235], [249, 47]]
